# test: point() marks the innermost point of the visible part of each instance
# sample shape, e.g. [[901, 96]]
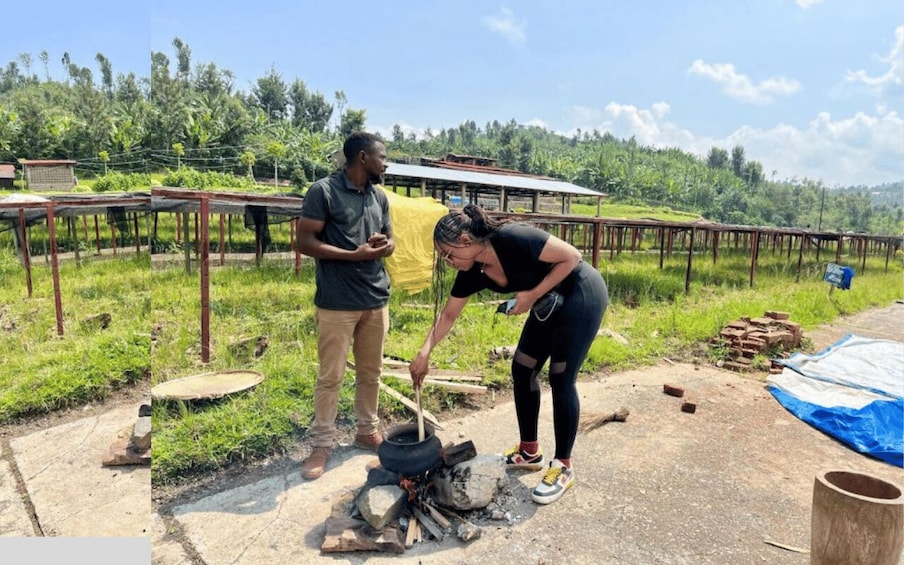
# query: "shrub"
[[121, 182], [192, 178]]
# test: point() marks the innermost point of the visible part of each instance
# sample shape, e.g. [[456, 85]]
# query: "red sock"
[[530, 447], [566, 462]]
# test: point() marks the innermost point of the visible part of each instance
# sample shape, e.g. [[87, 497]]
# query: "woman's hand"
[[418, 368]]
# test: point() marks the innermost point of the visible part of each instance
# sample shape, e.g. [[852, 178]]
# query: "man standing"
[[345, 227]]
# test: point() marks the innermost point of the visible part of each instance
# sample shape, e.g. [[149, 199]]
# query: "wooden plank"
[[457, 387], [435, 375], [432, 526], [411, 535], [390, 366], [435, 514], [408, 403]]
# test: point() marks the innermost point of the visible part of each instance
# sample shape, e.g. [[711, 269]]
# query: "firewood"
[[435, 514], [411, 534], [430, 524]]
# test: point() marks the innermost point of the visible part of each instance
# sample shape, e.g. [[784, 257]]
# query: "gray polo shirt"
[[350, 218]]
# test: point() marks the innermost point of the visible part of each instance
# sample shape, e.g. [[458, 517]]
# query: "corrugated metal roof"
[[487, 179]]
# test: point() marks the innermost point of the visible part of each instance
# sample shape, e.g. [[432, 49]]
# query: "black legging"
[[564, 339]]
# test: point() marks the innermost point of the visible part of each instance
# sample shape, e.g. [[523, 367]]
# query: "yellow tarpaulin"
[[411, 265]]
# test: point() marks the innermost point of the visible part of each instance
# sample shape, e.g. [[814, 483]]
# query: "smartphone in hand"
[[506, 306]]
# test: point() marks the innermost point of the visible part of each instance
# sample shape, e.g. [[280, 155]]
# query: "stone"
[[470, 484], [141, 434], [381, 504]]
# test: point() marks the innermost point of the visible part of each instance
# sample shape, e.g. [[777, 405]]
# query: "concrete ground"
[[663, 487], [53, 483]]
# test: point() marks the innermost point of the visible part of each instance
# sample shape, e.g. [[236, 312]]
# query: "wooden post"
[[26, 255], [690, 259], [155, 230], [73, 229], [97, 234], [754, 254], [800, 258], [137, 234], [113, 236], [597, 236], [297, 248], [715, 246], [55, 270], [838, 248], [661, 246], [863, 245], [205, 278], [222, 240], [185, 246]]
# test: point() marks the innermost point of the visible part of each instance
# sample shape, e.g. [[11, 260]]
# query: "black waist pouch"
[[548, 305]]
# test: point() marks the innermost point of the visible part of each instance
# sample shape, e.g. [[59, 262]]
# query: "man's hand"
[[378, 240], [384, 243]]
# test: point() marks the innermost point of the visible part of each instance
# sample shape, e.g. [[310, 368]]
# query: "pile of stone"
[[132, 445], [774, 334], [391, 513]]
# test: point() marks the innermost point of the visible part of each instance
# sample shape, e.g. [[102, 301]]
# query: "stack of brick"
[[773, 334]]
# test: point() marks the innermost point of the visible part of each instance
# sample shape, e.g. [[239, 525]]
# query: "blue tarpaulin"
[[852, 390]]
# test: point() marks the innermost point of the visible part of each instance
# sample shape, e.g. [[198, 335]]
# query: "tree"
[[106, 73], [45, 58], [276, 150], [717, 158], [183, 58], [248, 159], [104, 157], [352, 121], [398, 136], [270, 95], [179, 152], [310, 110], [737, 161]]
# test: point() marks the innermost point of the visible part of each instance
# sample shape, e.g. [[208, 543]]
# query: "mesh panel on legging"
[[566, 408], [526, 388]]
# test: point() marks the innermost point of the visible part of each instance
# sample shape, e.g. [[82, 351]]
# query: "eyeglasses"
[[448, 257]]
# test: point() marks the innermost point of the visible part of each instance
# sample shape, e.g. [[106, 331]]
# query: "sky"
[[812, 89]]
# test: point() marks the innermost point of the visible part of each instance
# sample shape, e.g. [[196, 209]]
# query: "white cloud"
[[858, 150], [648, 127], [807, 3], [504, 23], [893, 79], [740, 87], [536, 122]]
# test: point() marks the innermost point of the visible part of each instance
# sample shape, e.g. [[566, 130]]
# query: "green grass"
[[155, 335], [43, 371]]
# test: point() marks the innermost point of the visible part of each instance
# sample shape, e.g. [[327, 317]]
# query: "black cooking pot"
[[402, 453]]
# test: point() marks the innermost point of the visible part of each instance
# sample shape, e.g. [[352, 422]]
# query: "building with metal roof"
[[454, 186]]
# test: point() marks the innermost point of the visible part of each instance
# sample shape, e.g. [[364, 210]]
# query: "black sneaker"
[[517, 458]]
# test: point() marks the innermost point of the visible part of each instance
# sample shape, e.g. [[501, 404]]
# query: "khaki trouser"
[[365, 330]]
